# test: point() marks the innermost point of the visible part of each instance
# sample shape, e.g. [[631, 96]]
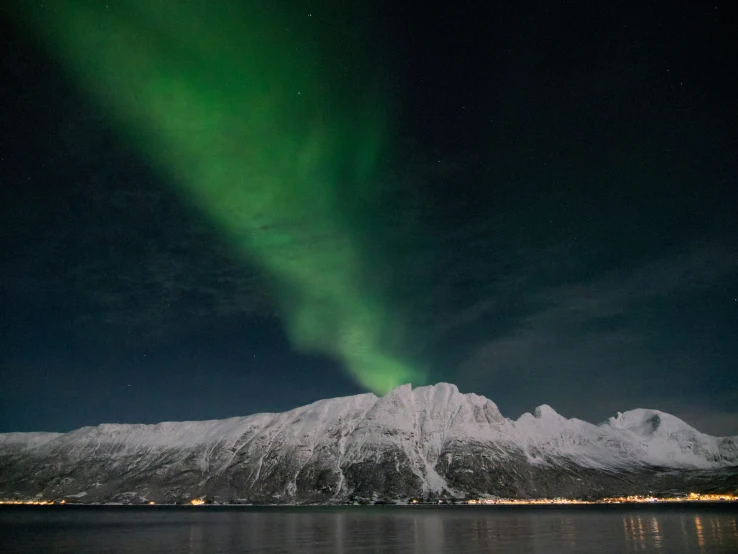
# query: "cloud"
[[599, 345], [599, 304], [129, 256]]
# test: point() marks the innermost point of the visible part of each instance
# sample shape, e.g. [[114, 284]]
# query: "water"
[[352, 530]]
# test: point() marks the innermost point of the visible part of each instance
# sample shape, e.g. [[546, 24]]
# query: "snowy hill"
[[423, 442]]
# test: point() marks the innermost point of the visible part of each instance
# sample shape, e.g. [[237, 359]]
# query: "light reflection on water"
[[700, 534], [350, 530]]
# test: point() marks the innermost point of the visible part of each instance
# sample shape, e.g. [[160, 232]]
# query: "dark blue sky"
[[572, 169]]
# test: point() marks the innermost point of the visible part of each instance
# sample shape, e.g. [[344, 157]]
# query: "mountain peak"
[[646, 422], [544, 411], [438, 387]]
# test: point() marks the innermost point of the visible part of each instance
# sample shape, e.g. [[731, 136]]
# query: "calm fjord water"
[[669, 529]]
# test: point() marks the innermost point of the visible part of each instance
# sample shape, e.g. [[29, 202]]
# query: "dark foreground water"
[[352, 530]]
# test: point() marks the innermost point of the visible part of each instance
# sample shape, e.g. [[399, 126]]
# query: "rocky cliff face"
[[428, 442]]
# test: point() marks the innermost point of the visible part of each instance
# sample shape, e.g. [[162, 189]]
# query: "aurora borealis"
[[243, 107], [214, 209]]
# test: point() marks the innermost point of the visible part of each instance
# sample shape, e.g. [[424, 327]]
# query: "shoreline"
[[480, 506]]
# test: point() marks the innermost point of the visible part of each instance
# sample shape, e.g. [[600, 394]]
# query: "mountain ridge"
[[424, 442]]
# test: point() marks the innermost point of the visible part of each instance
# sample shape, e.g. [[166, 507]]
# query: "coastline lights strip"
[[632, 499]]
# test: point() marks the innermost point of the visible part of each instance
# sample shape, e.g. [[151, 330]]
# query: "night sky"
[[205, 216]]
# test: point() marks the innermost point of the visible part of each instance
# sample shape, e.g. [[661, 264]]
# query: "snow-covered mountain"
[[424, 442]]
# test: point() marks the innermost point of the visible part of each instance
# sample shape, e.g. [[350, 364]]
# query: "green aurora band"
[[250, 111]]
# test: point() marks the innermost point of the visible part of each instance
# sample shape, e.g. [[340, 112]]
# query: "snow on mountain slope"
[[430, 440], [663, 439]]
